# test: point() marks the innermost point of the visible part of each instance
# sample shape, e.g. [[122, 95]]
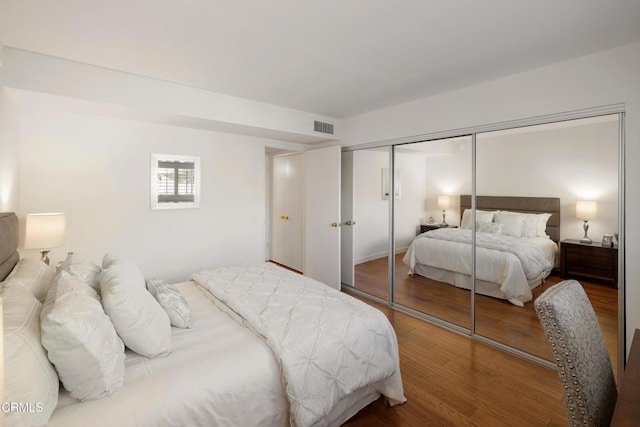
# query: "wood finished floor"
[[450, 379]]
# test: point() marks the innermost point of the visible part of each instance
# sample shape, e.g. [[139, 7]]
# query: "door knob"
[[335, 224], [284, 217], [350, 223]]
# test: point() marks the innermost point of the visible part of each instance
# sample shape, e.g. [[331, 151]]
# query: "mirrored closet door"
[[431, 175], [365, 221], [483, 224], [532, 182]]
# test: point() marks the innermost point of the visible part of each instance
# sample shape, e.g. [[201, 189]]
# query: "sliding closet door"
[[365, 221], [538, 170], [431, 269]]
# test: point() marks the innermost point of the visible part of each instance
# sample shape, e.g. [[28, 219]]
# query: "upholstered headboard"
[[549, 205], [8, 243]]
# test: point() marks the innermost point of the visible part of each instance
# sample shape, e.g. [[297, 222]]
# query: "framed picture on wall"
[[175, 181]]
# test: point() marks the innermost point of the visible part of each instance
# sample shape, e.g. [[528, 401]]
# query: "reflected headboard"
[[520, 204], [8, 243]]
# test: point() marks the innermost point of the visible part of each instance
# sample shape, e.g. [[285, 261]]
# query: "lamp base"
[[44, 256], [586, 240], [444, 221]]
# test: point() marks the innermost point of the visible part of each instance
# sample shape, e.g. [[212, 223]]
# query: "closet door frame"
[[617, 109]]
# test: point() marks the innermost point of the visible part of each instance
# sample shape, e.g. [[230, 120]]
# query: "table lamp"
[[443, 203], [44, 231], [586, 210]]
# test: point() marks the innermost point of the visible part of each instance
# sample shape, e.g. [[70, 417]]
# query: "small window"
[[175, 181]]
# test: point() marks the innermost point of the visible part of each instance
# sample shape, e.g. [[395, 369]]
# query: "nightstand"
[[591, 261], [428, 227]]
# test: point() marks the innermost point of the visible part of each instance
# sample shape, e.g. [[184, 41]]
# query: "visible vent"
[[323, 127]]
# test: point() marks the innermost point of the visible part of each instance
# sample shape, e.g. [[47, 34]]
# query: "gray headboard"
[[8, 243], [520, 204]]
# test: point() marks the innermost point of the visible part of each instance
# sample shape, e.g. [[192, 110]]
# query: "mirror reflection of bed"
[[444, 292]]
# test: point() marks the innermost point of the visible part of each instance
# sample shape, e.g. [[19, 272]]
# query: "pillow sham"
[[82, 268], [511, 224], [533, 225], [33, 274], [138, 318], [481, 216], [81, 341], [172, 302], [489, 227], [29, 377]]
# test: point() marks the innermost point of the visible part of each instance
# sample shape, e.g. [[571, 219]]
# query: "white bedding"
[[516, 264], [219, 373], [328, 344]]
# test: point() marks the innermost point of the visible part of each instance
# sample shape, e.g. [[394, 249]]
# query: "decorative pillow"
[[81, 340], [82, 268], [137, 316], [543, 218], [33, 274], [172, 302], [489, 227], [511, 224], [29, 378], [481, 216]]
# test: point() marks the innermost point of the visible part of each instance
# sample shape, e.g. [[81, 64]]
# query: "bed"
[[305, 358], [516, 247]]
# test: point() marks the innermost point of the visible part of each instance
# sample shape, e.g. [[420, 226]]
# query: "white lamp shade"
[[443, 202], [586, 210], [44, 231]]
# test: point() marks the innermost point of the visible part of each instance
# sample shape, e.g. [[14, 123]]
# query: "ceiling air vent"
[[323, 127]]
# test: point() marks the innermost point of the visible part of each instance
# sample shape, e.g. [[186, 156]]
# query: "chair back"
[[572, 329]]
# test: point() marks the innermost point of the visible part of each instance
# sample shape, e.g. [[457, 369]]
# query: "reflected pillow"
[[511, 224], [489, 227], [481, 216]]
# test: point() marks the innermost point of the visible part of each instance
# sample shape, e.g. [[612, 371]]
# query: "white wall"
[[9, 150], [96, 170], [572, 163], [370, 210], [605, 78]]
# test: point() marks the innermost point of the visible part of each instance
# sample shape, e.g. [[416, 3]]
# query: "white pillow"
[[481, 216], [82, 268], [172, 302], [137, 316], [33, 274], [533, 225], [81, 340], [511, 224], [29, 378], [489, 227]]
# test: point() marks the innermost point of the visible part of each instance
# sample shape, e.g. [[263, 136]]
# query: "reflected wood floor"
[[452, 380]]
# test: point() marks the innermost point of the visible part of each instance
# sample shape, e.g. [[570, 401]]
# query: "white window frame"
[[156, 158]]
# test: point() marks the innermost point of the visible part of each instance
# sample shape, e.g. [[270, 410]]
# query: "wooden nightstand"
[[428, 227], [591, 261]]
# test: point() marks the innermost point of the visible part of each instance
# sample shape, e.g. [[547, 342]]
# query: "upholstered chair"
[[572, 329]]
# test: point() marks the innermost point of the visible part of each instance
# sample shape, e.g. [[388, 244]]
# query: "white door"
[[287, 210], [348, 222], [322, 215]]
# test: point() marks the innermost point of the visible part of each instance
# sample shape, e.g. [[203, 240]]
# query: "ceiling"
[[337, 58]]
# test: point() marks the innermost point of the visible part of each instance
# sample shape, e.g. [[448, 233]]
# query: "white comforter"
[[328, 344], [514, 263]]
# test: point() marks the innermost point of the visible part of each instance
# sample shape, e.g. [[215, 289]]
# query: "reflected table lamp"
[[586, 210], [44, 231], [443, 203]]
